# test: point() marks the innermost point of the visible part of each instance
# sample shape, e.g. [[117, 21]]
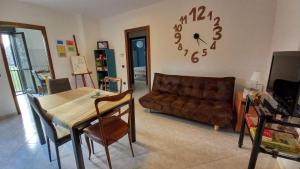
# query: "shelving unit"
[[105, 66], [282, 143]]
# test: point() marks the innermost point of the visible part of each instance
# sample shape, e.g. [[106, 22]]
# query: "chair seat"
[[61, 132], [114, 128]]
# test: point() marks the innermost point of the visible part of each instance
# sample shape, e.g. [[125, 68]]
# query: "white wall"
[[7, 105], [244, 48], [59, 26], [287, 23], [36, 48], [287, 38], [91, 35]]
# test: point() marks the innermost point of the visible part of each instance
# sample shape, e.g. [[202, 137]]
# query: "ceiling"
[[93, 8]]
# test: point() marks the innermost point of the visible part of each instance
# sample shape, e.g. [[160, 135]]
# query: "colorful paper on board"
[[60, 42], [70, 42]]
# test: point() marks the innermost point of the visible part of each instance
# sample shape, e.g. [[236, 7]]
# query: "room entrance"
[[26, 58], [138, 57], [19, 62]]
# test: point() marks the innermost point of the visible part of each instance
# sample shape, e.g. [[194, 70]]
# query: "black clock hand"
[[197, 36], [202, 40]]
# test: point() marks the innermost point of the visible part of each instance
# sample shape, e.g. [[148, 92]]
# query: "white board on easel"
[[79, 65]]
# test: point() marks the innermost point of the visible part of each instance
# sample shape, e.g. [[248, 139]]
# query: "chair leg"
[[57, 156], [49, 150], [92, 144], [108, 157], [129, 138], [87, 140]]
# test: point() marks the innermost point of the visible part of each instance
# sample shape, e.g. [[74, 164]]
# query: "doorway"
[[19, 63], [137, 42], [26, 53]]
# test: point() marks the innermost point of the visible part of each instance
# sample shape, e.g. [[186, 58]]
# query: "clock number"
[[178, 28], [217, 21], [204, 52], [201, 9], [200, 16], [193, 12], [186, 51], [180, 46], [183, 20], [178, 37], [218, 30], [210, 15], [213, 46], [194, 58]]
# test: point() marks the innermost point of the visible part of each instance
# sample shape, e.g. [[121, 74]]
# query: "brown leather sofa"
[[204, 99]]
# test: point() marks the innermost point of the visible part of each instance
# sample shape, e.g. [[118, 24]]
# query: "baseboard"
[[281, 165]]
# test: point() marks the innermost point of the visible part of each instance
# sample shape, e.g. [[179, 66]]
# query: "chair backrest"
[[47, 123], [107, 80], [37, 77], [102, 116], [59, 85]]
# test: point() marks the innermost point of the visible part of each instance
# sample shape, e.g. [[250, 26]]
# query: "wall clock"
[[198, 17], [139, 44]]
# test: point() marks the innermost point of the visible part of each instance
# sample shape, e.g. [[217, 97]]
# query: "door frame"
[[148, 54], [26, 26]]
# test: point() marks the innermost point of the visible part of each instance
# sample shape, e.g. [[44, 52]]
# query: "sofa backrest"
[[209, 88]]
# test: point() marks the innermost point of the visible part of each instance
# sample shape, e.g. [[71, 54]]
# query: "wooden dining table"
[[74, 109]]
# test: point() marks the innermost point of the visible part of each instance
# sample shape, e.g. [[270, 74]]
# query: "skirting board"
[[281, 165], [287, 164]]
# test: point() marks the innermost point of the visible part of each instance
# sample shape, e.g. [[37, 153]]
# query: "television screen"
[[284, 80]]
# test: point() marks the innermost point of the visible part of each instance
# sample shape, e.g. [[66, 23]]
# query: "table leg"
[[75, 135], [256, 143], [133, 132], [242, 132], [39, 127]]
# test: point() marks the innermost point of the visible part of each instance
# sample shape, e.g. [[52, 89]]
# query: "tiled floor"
[[163, 142]]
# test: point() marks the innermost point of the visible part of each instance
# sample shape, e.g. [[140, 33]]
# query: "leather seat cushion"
[[114, 128], [208, 111]]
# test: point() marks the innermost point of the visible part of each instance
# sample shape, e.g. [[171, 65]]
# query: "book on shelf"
[[283, 140], [252, 120]]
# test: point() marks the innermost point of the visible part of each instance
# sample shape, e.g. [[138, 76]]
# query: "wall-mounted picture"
[[102, 45]]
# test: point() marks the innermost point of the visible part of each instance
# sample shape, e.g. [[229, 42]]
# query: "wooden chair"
[[56, 134], [59, 85], [107, 80], [111, 127], [42, 87]]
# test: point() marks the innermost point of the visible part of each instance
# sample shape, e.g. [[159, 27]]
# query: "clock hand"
[[196, 36], [202, 40]]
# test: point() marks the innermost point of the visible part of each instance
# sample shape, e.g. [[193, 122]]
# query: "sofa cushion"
[[166, 85], [198, 87], [220, 89], [213, 112]]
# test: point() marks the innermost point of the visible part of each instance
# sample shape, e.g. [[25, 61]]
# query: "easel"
[[81, 74], [83, 78]]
